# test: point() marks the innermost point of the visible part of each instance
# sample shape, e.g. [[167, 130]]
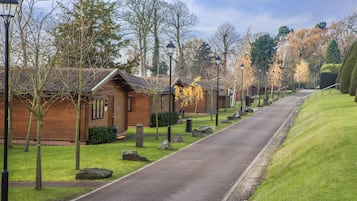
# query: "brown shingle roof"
[[60, 79]]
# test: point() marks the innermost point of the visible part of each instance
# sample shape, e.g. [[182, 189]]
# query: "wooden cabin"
[[104, 103]]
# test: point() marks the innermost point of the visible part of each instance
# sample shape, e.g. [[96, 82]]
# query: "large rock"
[[132, 156], [93, 173], [165, 145], [235, 116], [177, 139], [206, 129], [197, 133]]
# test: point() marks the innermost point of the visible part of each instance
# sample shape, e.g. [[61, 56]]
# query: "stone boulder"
[[201, 131], [177, 139], [235, 116], [206, 129], [165, 145], [249, 110], [93, 173], [197, 133], [132, 156], [226, 121]]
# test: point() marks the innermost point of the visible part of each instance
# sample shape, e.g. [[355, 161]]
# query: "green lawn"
[[58, 161], [318, 161]]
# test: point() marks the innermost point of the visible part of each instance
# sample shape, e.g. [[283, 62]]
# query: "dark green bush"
[[101, 135], [164, 118], [347, 68], [327, 79], [353, 82]]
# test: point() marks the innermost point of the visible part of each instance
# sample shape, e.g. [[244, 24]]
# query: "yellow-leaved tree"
[[302, 72], [189, 95]]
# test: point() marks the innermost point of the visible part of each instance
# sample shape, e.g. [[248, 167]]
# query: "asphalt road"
[[205, 171]]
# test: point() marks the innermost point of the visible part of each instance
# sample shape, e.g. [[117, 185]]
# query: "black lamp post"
[[241, 95], [170, 51], [7, 12], [218, 61], [265, 87], [272, 85], [260, 72]]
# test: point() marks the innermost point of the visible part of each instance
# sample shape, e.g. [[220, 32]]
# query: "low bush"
[[101, 135], [164, 118], [327, 79]]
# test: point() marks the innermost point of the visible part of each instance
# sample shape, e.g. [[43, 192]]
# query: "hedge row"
[[164, 118], [347, 69], [101, 135]]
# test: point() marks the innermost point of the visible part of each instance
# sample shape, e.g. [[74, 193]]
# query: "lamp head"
[[170, 48], [218, 60], [8, 8]]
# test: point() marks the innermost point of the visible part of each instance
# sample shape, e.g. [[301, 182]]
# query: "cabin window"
[[98, 109]]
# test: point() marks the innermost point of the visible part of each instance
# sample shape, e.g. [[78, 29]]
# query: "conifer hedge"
[[353, 82], [347, 68]]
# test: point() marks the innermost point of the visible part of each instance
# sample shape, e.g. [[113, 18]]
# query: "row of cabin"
[[110, 98]]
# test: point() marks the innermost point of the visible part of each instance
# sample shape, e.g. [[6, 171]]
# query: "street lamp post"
[[170, 51], [260, 72], [241, 95], [218, 61], [272, 86], [265, 87], [7, 12]]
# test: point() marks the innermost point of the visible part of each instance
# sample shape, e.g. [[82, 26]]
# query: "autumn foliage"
[[189, 95]]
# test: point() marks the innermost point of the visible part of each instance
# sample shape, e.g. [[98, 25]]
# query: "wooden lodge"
[[104, 104]]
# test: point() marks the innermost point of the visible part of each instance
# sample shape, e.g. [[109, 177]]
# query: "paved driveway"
[[205, 171]]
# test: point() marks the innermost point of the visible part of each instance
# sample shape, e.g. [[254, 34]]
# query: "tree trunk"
[[38, 145], [77, 140], [27, 144]]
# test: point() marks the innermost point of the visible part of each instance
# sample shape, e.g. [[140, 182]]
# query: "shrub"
[[101, 135], [353, 82], [347, 68], [327, 79], [330, 68], [163, 118]]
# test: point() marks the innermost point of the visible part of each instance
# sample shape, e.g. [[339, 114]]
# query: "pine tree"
[[333, 55], [102, 34]]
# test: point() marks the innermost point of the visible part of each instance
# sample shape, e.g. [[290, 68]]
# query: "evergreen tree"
[[283, 31], [347, 68], [333, 55], [101, 33], [263, 50]]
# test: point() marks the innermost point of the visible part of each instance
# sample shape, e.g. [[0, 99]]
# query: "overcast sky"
[[266, 15]]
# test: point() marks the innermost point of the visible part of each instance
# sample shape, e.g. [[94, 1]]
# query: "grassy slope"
[[318, 161]]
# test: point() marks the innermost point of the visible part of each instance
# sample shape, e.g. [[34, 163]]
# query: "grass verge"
[[58, 162], [318, 160]]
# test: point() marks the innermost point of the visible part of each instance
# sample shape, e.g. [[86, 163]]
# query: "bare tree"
[[224, 42], [180, 21], [154, 87], [38, 96], [159, 16], [139, 16]]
